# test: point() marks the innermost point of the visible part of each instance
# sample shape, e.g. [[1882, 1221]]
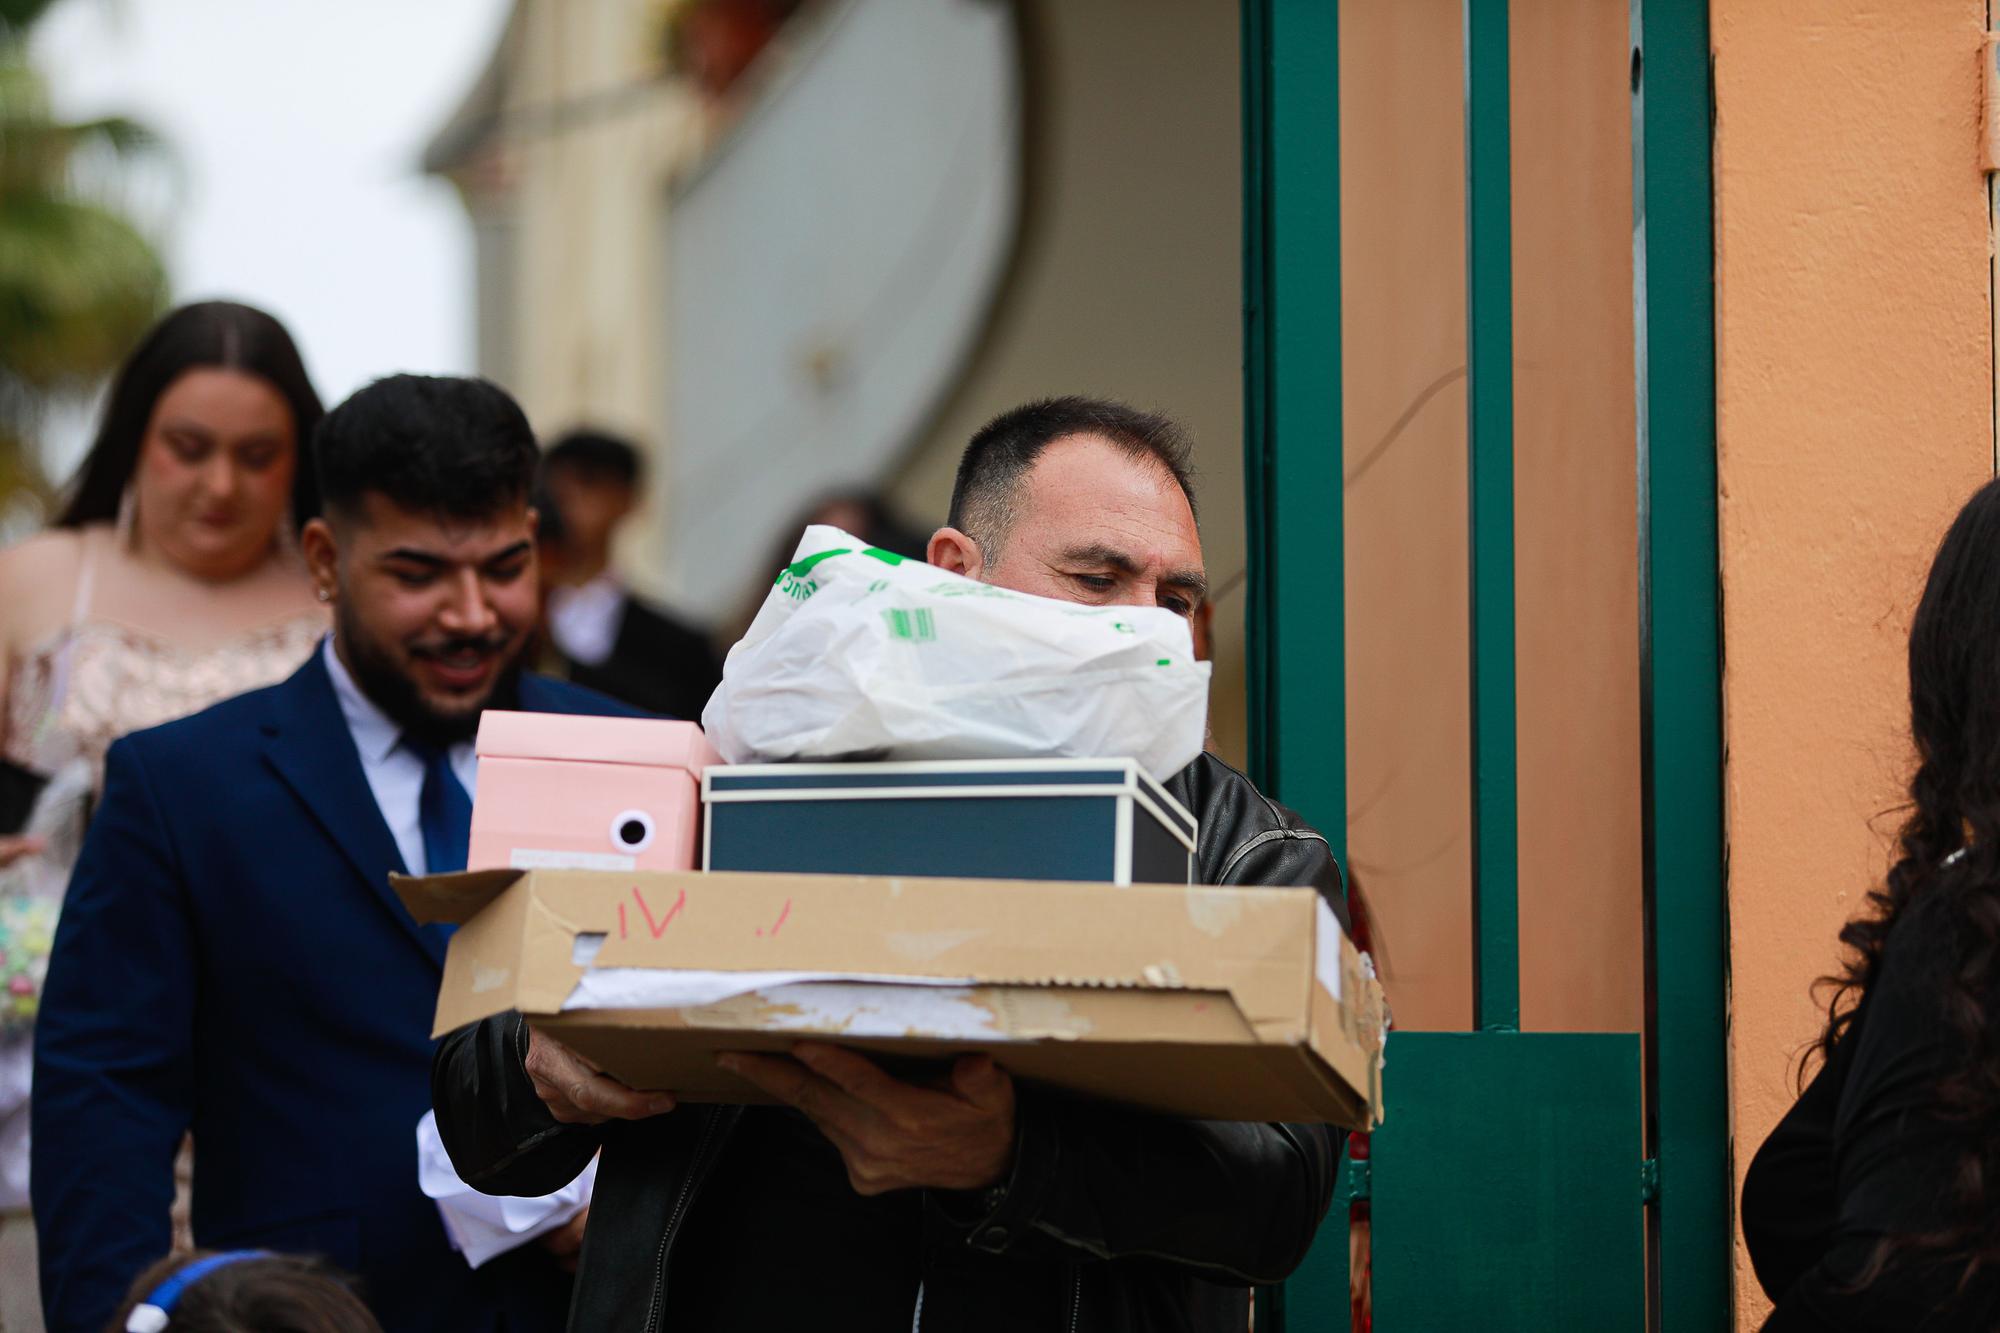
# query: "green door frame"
[[1680, 664], [1295, 528], [1292, 443], [1292, 405]]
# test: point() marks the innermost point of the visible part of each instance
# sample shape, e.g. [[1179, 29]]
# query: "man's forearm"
[[500, 1136]]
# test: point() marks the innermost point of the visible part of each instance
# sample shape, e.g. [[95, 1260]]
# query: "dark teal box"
[[1102, 820]]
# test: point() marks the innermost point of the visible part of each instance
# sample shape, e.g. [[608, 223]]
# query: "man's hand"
[[13, 849], [896, 1135], [577, 1092]]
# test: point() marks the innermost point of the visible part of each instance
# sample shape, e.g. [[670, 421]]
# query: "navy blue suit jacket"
[[231, 960]]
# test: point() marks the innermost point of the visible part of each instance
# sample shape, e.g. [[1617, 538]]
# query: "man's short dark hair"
[[429, 444], [985, 498], [594, 456]]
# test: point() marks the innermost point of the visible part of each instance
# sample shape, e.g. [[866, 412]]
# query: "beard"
[[383, 680]]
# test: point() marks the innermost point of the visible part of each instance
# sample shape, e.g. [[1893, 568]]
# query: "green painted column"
[[1296, 619], [1296, 615], [1489, 289], [1680, 661]]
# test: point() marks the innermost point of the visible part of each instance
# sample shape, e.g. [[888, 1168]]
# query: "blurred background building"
[[804, 248]]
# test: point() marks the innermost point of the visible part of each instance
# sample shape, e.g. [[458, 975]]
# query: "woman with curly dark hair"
[[1875, 1204]]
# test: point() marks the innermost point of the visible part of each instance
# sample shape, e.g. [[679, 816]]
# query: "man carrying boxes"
[[959, 1202]]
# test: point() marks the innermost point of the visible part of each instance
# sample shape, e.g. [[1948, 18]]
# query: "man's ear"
[[953, 551], [322, 552]]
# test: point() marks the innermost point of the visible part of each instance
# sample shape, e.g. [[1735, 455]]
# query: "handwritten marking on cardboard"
[[659, 927], [621, 921], [775, 925]]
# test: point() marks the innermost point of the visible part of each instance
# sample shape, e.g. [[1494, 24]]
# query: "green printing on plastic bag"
[[914, 626], [792, 580]]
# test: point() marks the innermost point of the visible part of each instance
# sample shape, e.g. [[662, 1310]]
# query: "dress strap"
[[86, 588], [86, 580]]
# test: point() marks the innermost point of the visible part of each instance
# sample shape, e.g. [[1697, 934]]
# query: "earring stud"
[[324, 595]]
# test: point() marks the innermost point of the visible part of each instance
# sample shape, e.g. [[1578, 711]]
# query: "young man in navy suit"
[[231, 959]]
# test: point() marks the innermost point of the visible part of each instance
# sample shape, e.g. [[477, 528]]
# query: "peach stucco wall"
[[1855, 412]]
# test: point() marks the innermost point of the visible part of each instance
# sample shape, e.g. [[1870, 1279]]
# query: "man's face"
[[592, 507], [430, 614], [1096, 525]]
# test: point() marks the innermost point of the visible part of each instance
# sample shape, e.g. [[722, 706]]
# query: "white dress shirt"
[[395, 775], [585, 620]]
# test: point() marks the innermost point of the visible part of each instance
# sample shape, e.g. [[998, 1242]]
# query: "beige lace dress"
[[67, 700]]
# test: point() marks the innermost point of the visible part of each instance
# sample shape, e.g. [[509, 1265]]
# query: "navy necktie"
[[444, 811]]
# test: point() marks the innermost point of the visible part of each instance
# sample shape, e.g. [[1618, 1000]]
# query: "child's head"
[[242, 1291]]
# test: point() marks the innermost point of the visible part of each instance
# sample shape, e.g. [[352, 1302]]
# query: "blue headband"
[[155, 1312]]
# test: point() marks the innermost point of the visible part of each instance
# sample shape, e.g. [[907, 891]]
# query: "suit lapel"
[[310, 748]]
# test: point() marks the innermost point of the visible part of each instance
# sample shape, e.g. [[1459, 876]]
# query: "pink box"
[[558, 791]]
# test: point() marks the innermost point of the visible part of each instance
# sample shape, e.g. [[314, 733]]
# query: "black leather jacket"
[[1109, 1220]]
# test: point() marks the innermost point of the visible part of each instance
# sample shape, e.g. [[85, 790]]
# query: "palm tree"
[[79, 283]]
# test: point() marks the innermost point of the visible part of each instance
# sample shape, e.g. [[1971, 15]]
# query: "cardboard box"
[[1056, 819], [1222, 1003], [599, 793]]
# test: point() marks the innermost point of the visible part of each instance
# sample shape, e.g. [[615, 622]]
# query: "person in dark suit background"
[[231, 958], [602, 635]]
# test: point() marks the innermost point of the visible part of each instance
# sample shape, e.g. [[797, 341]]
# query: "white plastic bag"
[[858, 653]]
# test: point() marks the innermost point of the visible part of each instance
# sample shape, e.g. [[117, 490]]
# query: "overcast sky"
[[296, 128]]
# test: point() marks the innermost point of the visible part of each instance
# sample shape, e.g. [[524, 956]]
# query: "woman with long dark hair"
[[1875, 1204], [169, 581]]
